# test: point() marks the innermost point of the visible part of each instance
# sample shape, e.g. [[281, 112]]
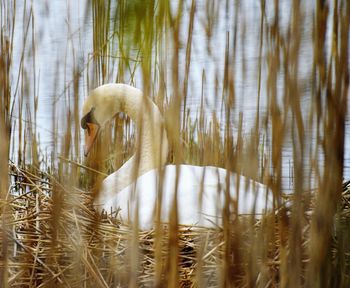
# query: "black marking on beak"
[[88, 118]]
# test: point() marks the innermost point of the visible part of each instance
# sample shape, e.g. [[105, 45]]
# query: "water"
[[62, 34]]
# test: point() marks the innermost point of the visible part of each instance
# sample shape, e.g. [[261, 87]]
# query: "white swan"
[[200, 190]]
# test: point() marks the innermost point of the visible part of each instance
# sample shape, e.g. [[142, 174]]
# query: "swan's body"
[[200, 198], [201, 193]]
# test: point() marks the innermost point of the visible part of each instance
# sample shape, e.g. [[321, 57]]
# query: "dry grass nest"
[[51, 235]]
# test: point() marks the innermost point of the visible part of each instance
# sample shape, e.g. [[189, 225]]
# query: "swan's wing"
[[200, 196], [197, 203], [250, 196], [197, 195]]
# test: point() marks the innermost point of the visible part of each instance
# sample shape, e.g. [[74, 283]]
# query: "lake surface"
[[58, 41]]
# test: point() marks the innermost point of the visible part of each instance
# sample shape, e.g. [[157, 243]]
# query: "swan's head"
[[107, 100], [98, 108]]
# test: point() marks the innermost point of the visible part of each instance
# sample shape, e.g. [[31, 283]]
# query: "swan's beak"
[[90, 136]]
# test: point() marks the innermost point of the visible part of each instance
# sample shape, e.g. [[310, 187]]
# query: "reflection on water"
[[61, 47]]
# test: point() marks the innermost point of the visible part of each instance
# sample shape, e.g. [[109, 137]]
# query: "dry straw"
[[78, 248], [52, 237], [47, 249]]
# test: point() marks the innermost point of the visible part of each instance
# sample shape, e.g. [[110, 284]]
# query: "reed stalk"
[[51, 234]]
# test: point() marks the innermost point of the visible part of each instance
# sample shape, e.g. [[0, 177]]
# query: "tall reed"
[[52, 236], [6, 42]]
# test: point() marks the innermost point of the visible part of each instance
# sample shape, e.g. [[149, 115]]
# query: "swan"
[[134, 189]]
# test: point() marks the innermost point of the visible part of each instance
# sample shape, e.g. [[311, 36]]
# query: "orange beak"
[[90, 136]]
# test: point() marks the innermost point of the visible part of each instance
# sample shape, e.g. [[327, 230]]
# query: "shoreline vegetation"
[[50, 235]]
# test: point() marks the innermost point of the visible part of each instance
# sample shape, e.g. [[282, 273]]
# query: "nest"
[[52, 236]]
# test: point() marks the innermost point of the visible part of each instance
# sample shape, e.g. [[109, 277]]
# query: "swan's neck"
[[151, 145]]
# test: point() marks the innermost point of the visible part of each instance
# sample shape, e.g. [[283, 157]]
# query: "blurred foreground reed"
[[50, 234]]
